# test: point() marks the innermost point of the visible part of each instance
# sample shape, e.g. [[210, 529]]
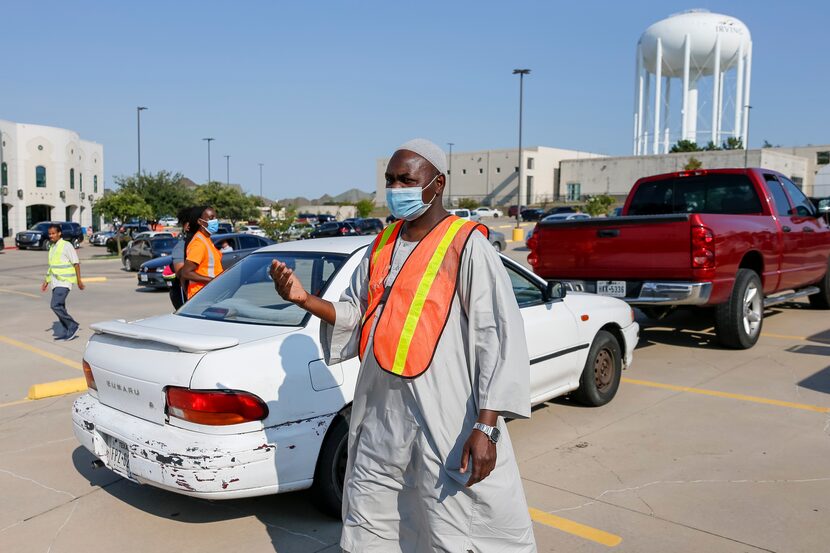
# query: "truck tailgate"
[[615, 248]]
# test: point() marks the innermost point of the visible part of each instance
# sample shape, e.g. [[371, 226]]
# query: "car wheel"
[[327, 490], [602, 372], [739, 320], [128, 265], [76, 244], [822, 299]]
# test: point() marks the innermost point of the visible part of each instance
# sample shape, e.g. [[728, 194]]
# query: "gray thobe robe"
[[403, 489]]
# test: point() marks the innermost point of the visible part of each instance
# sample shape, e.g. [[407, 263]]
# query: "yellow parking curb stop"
[[57, 388]]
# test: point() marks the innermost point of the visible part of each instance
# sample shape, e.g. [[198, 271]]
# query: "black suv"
[[327, 230], [37, 237]]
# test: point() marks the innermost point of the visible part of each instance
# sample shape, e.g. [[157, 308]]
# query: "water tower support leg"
[[658, 76], [716, 106]]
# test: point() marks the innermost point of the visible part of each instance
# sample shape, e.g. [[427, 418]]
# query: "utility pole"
[[260, 179], [209, 140], [228, 162], [138, 111], [518, 234]]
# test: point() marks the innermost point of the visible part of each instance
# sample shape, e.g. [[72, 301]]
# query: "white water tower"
[[709, 53]]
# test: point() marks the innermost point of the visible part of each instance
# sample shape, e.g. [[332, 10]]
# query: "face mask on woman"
[[407, 202], [212, 225]]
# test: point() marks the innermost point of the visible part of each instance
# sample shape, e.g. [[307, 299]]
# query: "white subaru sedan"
[[230, 396]]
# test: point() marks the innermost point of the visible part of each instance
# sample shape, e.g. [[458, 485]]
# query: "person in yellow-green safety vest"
[[64, 271]]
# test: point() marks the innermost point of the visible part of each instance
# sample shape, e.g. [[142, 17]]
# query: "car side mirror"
[[554, 290]]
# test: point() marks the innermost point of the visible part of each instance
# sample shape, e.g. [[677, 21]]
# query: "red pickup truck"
[[737, 240]]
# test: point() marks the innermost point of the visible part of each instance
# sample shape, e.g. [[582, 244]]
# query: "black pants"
[[58, 305]]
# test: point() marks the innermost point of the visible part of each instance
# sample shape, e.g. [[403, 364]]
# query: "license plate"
[[615, 288], [142, 278], [118, 456], [169, 283]]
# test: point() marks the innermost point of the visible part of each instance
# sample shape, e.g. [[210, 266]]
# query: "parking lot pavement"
[[702, 450]]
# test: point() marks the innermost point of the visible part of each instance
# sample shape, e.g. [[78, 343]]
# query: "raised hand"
[[286, 284]]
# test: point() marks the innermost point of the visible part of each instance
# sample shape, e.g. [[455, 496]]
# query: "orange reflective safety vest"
[[417, 304]]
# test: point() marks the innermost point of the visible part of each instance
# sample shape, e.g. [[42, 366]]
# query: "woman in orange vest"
[[203, 262], [432, 315]]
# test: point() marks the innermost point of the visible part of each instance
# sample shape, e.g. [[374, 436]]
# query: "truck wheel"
[[327, 490], [822, 299], [739, 321], [602, 373]]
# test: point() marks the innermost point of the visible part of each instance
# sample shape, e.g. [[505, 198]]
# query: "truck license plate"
[[615, 288], [118, 456]]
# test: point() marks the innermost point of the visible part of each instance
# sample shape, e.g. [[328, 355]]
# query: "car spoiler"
[[186, 342]]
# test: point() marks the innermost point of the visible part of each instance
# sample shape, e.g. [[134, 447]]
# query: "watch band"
[[490, 431]]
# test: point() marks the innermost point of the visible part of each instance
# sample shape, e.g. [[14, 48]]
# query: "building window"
[[498, 169], [72, 179], [95, 183], [81, 182], [515, 169], [4, 174], [798, 181], [480, 171], [574, 191], [822, 158], [463, 171], [40, 176], [529, 190], [530, 163]]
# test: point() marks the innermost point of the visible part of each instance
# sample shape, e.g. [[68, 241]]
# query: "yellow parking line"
[[28, 295], [575, 528], [741, 397], [94, 279], [41, 352], [785, 336]]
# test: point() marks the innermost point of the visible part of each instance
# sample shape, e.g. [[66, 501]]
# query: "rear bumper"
[[213, 466], [655, 293]]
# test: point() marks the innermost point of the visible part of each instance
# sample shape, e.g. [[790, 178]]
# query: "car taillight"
[[703, 248], [532, 242], [213, 407], [90, 380]]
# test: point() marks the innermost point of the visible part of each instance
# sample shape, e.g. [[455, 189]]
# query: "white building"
[[47, 174], [491, 176]]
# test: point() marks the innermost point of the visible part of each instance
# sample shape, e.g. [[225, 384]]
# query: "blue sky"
[[318, 90]]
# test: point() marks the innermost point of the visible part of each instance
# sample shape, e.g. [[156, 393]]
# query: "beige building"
[[47, 173], [491, 176], [616, 175]]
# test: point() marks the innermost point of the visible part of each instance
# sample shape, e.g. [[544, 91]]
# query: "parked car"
[[370, 226], [225, 228], [145, 249], [100, 238], [150, 272], [334, 228], [497, 239], [325, 218], [560, 209], [532, 214], [735, 240], [252, 229], [131, 229], [2, 244], [512, 210], [230, 397], [616, 212], [307, 218], [558, 217], [297, 231], [464, 214], [37, 237], [126, 239], [488, 212], [169, 221]]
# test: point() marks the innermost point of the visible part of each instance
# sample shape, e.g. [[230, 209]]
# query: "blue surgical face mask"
[[407, 202], [212, 226]]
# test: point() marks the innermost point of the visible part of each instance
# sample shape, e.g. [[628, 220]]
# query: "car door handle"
[[786, 228], [608, 233]]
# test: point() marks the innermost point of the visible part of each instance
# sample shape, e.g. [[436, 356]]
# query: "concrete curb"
[[57, 388]]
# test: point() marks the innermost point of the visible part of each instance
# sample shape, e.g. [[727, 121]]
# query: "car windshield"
[[245, 292], [163, 243], [42, 227]]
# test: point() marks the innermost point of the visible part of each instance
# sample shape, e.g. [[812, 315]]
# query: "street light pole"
[[449, 177], [209, 140], [138, 111], [260, 179], [228, 162], [746, 138], [518, 235]]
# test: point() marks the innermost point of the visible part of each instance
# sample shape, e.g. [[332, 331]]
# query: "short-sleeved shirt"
[[207, 258], [177, 255], [69, 257]]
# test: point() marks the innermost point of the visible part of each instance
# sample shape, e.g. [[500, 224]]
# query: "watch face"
[[495, 434]]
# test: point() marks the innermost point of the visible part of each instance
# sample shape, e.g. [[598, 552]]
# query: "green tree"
[[692, 164], [365, 207], [228, 201], [122, 205], [598, 205], [467, 203], [162, 191], [711, 146], [733, 143], [685, 146]]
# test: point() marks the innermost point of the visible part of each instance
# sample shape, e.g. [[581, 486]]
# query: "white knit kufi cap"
[[429, 151]]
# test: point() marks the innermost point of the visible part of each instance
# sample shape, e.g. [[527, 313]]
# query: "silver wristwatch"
[[492, 432]]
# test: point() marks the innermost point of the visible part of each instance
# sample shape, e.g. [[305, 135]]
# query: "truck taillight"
[[90, 380], [214, 407], [703, 248]]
